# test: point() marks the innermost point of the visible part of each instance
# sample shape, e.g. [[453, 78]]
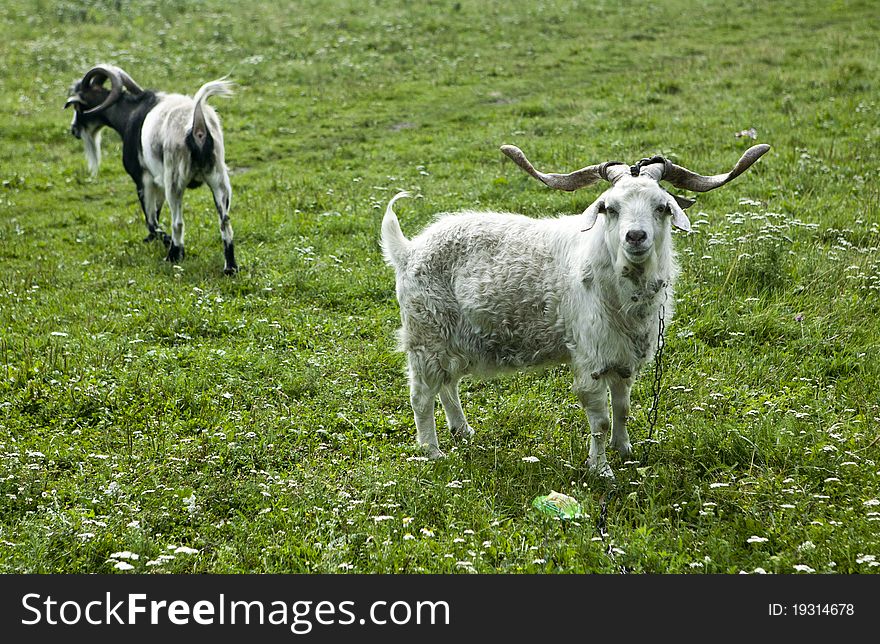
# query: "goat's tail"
[[395, 247], [199, 136]]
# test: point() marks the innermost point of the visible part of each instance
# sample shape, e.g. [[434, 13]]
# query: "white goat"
[[170, 142], [484, 292]]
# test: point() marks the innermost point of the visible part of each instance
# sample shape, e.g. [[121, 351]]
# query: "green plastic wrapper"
[[558, 505]]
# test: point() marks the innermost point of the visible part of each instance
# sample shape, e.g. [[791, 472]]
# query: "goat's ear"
[[593, 211], [684, 202], [679, 219]]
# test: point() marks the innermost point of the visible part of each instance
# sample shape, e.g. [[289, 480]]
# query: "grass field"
[[261, 423]]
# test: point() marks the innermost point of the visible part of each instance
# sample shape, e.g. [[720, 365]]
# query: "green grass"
[[264, 419]]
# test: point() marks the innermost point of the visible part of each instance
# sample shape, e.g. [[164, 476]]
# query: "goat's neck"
[[119, 115]]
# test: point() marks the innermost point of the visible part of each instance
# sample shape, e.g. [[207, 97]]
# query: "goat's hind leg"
[[222, 190], [174, 195], [458, 424], [152, 198], [422, 392]]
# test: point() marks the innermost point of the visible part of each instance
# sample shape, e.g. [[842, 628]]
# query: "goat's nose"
[[636, 236]]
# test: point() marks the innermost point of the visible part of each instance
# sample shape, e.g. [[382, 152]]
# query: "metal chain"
[[658, 376]]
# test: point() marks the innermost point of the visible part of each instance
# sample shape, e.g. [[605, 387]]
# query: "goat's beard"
[[92, 143]]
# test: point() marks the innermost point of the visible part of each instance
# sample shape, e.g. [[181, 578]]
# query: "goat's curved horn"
[[102, 72], [568, 182], [681, 177]]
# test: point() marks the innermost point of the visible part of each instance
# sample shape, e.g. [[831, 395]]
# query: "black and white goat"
[[170, 142], [484, 292]]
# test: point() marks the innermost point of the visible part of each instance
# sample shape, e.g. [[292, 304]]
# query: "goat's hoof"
[[151, 237], [433, 452], [604, 470], [623, 448], [463, 432], [175, 254], [230, 270], [166, 239]]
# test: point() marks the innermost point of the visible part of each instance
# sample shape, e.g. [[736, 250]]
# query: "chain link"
[[658, 376]]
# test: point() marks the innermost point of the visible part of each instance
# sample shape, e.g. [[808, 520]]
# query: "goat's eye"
[[611, 211], [661, 209]]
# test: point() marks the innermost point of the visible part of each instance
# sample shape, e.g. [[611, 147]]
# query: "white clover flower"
[[759, 571], [862, 558], [382, 517], [122, 565], [125, 554], [803, 568]]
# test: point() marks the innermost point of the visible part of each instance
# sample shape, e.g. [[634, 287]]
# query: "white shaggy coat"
[[482, 293]]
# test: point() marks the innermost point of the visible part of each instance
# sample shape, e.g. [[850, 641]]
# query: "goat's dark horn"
[[102, 72], [681, 177], [568, 182]]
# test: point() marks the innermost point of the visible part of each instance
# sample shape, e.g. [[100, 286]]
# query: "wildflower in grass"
[[185, 550], [122, 565], [133, 524], [530, 459], [454, 485], [696, 564], [871, 560], [806, 545], [459, 540], [872, 502], [125, 554], [345, 566], [832, 479], [85, 536], [382, 517], [756, 539], [467, 565], [787, 506], [759, 571], [539, 562], [190, 503], [713, 486], [408, 537], [803, 568], [406, 520], [486, 544], [426, 532], [468, 531]]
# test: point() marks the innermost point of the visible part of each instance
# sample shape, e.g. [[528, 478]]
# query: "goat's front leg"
[[458, 424], [222, 190], [593, 397], [620, 390], [174, 195]]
